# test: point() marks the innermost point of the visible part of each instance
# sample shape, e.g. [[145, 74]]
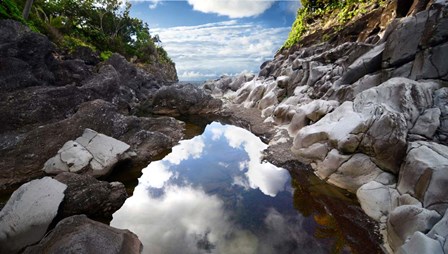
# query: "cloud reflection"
[[263, 175], [185, 218]]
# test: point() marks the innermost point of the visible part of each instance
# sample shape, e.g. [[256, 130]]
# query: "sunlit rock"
[[355, 172], [405, 220], [25, 218], [92, 153], [377, 200]]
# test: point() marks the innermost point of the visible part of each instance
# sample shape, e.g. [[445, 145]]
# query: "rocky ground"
[[368, 114]]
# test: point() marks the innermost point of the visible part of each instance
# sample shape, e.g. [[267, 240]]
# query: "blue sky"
[[210, 38]]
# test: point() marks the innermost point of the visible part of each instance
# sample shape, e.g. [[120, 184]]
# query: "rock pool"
[[212, 194]]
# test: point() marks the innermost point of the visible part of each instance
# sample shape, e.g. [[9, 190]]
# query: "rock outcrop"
[[29, 212], [86, 195], [367, 111], [179, 100], [49, 97], [78, 234]]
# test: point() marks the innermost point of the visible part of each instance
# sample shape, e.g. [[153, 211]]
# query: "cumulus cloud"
[[211, 50], [232, 8]]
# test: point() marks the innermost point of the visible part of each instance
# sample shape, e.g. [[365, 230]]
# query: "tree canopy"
[[103, 25]]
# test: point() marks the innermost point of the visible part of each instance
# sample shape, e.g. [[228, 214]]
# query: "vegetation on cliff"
[[104, 26], [323, 14]]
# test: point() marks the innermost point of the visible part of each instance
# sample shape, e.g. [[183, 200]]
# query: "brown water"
[[212, 194]]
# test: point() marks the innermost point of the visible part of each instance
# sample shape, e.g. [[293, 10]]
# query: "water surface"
[[212, 194]]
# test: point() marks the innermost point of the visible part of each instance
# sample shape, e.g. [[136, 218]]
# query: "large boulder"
[[402, 44], [377, 200], [86, 195], [405, 220], [32, 52], [420, 243], [424, 174], [93, 153], [184, 100], [78, 234], [29, 212]]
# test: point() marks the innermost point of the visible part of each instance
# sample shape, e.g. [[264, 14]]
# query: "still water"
[[212, 194]]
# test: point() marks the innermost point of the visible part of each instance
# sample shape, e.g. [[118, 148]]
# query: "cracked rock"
[[92, 153]]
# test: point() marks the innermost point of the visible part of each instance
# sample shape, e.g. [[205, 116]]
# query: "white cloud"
[[154, 3], [211, 50], [232, 8]]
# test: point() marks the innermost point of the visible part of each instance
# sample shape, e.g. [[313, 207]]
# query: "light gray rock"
[[316, 72], [330, 164], [79, 234], [354, 173], [407, 199], [312, 111], [402, 44], [377, 200], [239, 80], [335, 126], [368, 63], [441, 102], [317, 151], [25, 218], [440, 232], [92, 153], [394, 107], [424, 174], [72, 157], [420, 243], [431, 63], [405, 220], [427, 123]]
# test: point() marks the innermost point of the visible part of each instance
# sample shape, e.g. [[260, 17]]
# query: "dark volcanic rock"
[[22, 156], [78, 234], [184, 100], [86, 195], [24, 50]]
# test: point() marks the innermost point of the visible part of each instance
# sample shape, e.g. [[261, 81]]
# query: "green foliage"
[[316, 14], [9, 10], [102, 25], [105, 55]]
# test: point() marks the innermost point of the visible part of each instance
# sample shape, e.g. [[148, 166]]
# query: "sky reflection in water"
[[213, 195]]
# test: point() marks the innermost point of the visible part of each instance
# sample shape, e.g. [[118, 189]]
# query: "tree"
[[27, 8]]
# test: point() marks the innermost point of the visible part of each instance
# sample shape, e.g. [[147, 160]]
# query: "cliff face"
[[366, 108]]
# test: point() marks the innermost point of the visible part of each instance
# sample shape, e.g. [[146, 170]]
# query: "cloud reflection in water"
[[192, 200]]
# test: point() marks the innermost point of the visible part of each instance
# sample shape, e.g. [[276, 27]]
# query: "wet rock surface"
[[79, 234]]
